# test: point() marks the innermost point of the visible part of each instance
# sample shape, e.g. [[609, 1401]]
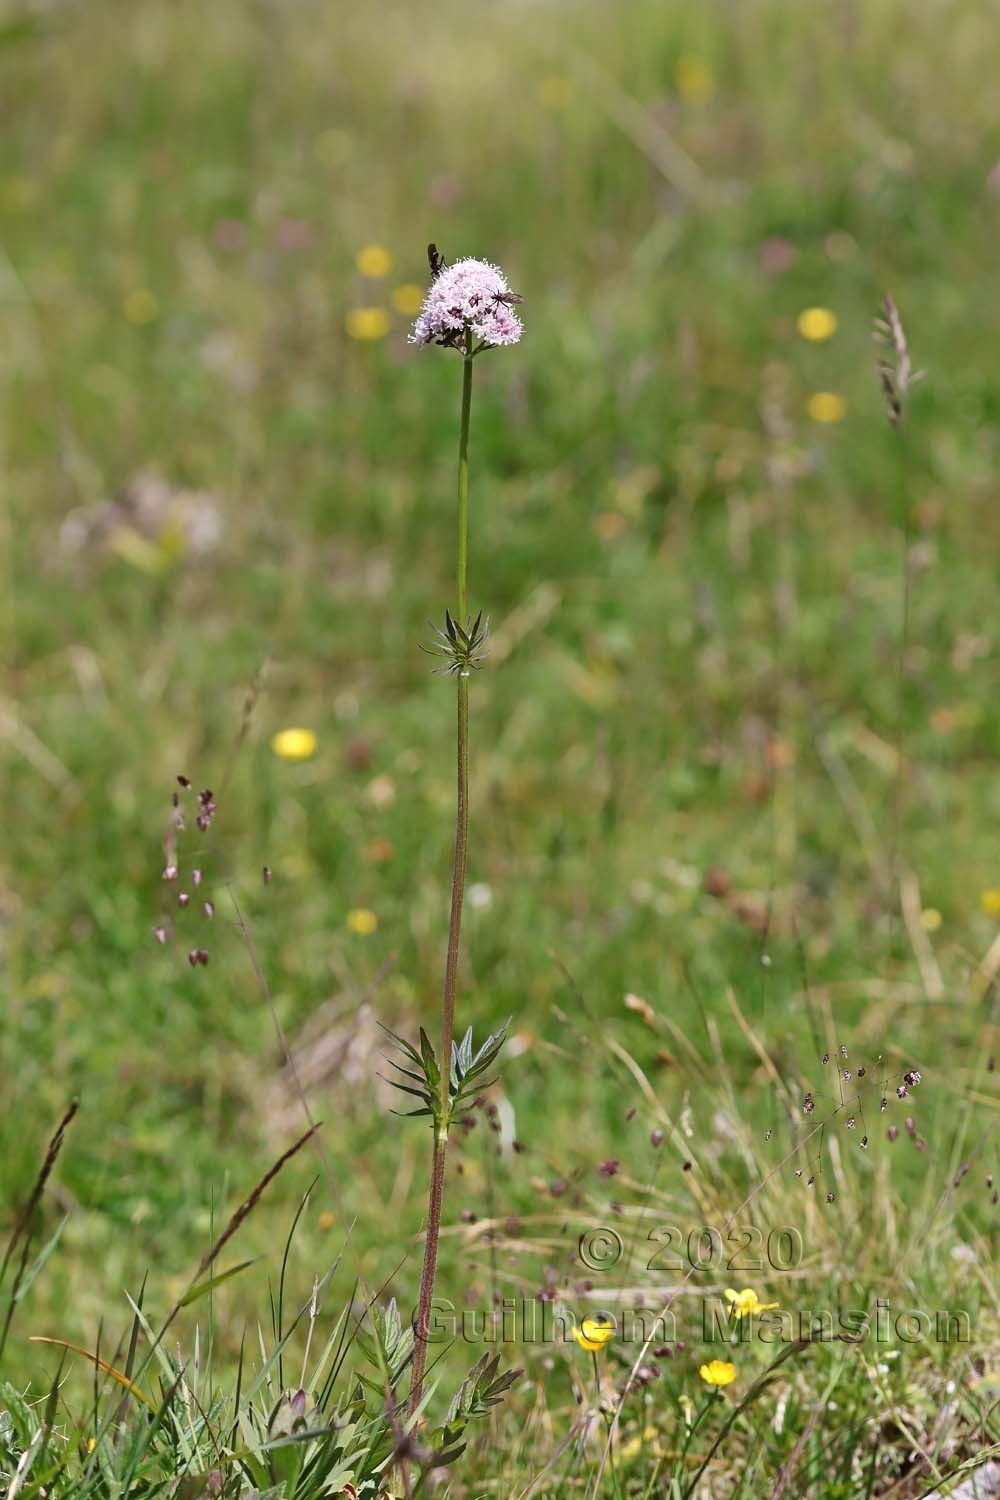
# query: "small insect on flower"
[[594, 1333], [507, 299], [717, 1373], [746, 1304]]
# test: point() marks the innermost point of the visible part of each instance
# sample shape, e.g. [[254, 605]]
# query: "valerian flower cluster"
[[471, 294]]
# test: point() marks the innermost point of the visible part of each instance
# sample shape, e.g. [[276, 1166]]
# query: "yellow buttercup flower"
[[408, 299], [817, 324], [746, 1304], [140, 307], [930, 919], [294, 744], [362, 921], [717, 1372], [367, 323], [555, 92], [636, 1444], [826, 406], [694, 79], [594, 1333], [990, 901], [373, 261]]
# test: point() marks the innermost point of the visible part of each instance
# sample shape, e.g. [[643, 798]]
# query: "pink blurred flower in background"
[[778, 254]]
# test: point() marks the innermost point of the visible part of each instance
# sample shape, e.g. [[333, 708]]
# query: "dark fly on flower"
[[510, 299], [435, 260]]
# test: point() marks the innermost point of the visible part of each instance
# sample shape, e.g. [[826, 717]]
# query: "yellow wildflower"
[[373, 261], [694, 79], [555, 92], [817, 324], [140, 307], [826, 406], [362, 921], [408, 299], [930, 919], [717, 1372], [635, 1444], [746, 1304], [594, 1333], [367, 323], [294, 744], [138, 550], [990, 901]]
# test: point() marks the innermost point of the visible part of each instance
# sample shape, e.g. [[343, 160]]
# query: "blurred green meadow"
[[221, 458]]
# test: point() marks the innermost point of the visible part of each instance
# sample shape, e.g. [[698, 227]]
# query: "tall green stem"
[[438, 1159], [463, 479]]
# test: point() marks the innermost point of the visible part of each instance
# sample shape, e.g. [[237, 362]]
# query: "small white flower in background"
[[479, 896], [778, 1421], [381, 791], [470, 294]]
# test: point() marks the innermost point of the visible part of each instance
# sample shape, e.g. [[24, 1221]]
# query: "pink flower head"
[[470, 294]]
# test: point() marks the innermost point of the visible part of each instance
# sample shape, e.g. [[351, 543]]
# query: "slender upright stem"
[[463, 479], [608, 1422], [895, 861], [439, 1157]]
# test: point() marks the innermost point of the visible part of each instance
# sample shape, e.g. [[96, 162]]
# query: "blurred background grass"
[[218, 449]]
